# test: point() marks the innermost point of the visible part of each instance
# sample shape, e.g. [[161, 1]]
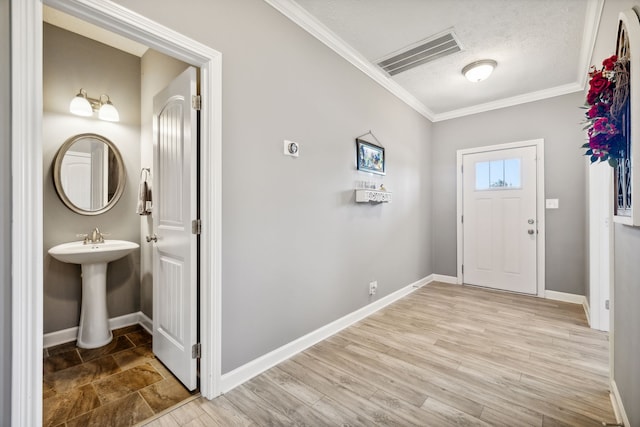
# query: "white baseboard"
[[444, 279], [146, 322], [618, 407], [563, 296], [587, 310], [67, 335], [572, 298], [249, 370]]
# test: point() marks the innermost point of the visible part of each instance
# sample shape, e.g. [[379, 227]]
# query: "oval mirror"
[[89, 174]]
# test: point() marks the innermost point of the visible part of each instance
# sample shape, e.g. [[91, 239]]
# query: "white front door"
[[175, 268], [499, 219]]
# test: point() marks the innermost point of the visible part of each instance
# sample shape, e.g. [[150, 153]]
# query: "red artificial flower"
[[610, 62], [605, 141], [598, 141], [592, 97], [600, 125], [598, 83]]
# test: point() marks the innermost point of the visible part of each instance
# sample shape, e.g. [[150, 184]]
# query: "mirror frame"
[[57, 177]]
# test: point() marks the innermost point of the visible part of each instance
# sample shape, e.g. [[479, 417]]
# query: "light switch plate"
[[552, 204], [291, 148]]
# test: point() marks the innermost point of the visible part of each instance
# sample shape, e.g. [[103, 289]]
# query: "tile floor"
[[120, 384]]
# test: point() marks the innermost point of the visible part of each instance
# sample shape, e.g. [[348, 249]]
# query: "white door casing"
[[175, 266], [600, 243], [26, 153], [502, 267]]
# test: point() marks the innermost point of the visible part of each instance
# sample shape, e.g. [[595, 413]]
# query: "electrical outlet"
[[373, 287]]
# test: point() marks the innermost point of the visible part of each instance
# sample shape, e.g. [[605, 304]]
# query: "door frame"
[[600, 200], [540, 205], [27, 187]]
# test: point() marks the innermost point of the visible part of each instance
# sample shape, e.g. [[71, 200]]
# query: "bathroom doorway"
[[27, 318], [133, 372]]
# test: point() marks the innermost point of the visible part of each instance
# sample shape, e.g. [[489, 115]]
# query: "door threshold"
[[169, 409]]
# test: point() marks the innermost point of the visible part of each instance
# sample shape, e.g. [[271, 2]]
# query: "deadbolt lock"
[[531, 221]]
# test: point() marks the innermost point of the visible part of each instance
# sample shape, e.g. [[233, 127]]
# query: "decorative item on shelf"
[[366, 185], [606, 101], [370, 157]]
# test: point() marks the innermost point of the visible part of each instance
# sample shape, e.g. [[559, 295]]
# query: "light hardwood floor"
[[444, 355]]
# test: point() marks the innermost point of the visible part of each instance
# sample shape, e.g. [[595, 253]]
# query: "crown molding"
[[298, 15], [510, 102], [589, 35], [307, 22]]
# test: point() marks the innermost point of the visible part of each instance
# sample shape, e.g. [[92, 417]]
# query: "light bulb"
[[108, 112], [80, 105]]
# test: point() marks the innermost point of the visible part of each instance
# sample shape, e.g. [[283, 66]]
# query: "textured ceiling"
[[538, 44], [542, 47]]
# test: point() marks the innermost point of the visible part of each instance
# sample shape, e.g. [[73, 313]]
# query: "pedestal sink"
[[94, 328]]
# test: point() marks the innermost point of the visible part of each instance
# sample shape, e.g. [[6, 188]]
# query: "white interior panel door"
[[175, 287], [75, 174], [499, 219]]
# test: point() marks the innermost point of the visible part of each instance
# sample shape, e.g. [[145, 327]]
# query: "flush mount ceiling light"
[[479, 70], [82, 105]]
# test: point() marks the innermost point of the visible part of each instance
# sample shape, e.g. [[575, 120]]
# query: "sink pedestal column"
[[94, 328]]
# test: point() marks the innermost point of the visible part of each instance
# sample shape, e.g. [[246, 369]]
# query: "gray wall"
[[157, 71], [557, 120], [5, 216], [297, 252], [71, 62], [626, 296]]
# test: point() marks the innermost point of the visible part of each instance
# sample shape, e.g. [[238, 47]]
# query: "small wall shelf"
[[375, 196]]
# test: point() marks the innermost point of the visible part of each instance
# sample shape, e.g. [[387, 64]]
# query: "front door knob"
[[152, 238], [531, 231]]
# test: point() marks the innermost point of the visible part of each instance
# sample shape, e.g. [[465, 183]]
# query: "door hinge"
[[196, 102], [606, 304], [462, 268], [196, 226], [195, 351], [462, 219]]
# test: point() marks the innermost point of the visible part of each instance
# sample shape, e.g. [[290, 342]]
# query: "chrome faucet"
[[95, 237]]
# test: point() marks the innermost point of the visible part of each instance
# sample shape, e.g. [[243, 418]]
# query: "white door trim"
[[600, 194], [27, 188], [539, 144]]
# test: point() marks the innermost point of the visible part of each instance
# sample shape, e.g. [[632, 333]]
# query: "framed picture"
[[370, 157]]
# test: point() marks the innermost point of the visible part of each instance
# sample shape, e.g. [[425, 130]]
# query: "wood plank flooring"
[[444, 355]]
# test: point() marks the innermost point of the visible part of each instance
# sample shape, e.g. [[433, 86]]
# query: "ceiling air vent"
[[420, 53]]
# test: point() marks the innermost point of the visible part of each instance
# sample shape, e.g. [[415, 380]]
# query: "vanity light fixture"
[[82, 105], [479, 70]]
